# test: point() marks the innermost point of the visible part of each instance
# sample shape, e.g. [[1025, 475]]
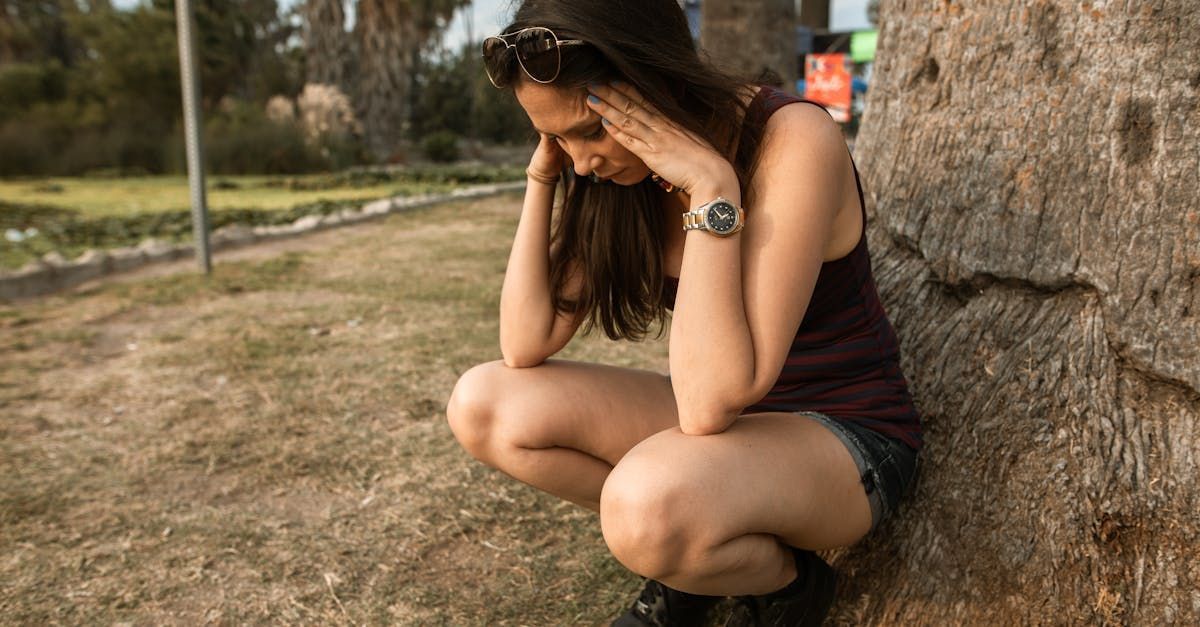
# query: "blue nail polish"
[[606, 122], [592, 99]]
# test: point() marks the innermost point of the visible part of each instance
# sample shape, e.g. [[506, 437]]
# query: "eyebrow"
[[578, 128]]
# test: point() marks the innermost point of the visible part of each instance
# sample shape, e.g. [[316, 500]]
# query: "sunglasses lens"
[[492, 46], [495, 57], [537, 49]]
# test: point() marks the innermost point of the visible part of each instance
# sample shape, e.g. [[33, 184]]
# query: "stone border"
[[53, 273]]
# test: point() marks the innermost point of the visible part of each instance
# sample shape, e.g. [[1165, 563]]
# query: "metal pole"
[[192, 130]]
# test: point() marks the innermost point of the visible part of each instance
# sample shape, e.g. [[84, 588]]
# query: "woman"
[[785, 425]]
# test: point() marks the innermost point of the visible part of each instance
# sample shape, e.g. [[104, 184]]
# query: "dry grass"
[[269, 445]]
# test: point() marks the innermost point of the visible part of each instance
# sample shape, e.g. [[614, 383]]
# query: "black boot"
[[802, 603], [660, 606]]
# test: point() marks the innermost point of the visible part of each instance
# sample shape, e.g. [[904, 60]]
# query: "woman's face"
[[563, 114]]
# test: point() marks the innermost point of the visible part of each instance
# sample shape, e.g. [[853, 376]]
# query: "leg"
[[712, 514], [560, 426]]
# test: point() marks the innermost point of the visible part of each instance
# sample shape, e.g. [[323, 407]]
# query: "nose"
[[585, 161]]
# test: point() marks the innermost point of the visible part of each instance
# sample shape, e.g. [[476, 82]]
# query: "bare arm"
[[741, 298], [530, 328]]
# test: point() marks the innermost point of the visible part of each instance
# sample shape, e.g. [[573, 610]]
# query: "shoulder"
[[802, 152], [801, 127]]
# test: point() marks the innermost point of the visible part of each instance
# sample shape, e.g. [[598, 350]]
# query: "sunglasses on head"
[[537, 50]]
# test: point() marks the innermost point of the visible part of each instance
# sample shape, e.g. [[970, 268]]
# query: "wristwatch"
[[719, 217]]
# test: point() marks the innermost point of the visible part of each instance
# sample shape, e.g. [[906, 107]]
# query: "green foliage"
[[458, 174], [23, 85], [88, 87], [94, 87], [241, 139], [441, 146], [455, 95], [71, 230]]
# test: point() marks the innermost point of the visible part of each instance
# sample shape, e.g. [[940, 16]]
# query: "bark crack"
[[979, 284]]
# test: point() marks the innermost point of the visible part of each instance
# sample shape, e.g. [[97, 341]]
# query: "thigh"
[[777, 473], [595, 408]]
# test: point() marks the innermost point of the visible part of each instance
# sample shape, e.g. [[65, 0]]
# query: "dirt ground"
[[269, 444]]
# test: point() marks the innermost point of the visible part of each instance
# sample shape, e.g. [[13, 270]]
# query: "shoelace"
[[650, 603]]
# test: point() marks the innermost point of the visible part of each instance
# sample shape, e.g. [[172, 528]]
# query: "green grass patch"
[[69, 216], [152, 194]]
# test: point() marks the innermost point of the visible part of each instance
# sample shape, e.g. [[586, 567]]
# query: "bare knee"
[[645, 517], [471, 410]]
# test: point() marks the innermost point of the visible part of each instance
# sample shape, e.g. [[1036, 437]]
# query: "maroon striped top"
[[845, 359]]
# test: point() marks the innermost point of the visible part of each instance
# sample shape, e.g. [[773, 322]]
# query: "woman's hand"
[[548, 159], [674, 153]]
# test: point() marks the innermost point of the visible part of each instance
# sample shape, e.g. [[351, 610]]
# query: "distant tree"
[[455, 95], [327, 55], [85, 86], [750, 37], [390, 36], [37, 30], [813, 13]]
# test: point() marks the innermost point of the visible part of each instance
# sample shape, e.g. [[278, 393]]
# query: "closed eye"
[[596, 135]]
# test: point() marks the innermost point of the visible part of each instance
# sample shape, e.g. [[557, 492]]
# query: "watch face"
[[721, 217]]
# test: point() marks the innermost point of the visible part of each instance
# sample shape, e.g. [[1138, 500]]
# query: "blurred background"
[[307, 106]]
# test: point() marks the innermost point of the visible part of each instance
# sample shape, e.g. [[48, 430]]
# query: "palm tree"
[[390, 36], [326, 47]]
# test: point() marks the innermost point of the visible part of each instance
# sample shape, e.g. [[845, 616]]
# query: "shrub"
[[23, 150], [23, 85], [240, 139], [326, 112], [441, 146]]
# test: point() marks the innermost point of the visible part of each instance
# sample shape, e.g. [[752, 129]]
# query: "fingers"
[[625, 108], [635, 144]]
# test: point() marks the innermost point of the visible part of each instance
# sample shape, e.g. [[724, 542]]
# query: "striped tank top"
[[845, 359]]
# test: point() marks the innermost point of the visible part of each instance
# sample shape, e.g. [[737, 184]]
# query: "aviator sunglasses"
[[537, 51]]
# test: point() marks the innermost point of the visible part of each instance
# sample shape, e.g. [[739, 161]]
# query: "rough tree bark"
[[326, 44], [384, 31], [390, 36], [1031, 168], [749, 36]]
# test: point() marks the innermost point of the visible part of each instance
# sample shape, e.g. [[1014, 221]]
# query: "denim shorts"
[[887, 467]]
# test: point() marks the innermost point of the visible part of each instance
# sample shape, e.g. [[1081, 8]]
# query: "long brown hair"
[[614, 233]]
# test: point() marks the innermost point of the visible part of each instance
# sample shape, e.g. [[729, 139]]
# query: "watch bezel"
[[709, 207]]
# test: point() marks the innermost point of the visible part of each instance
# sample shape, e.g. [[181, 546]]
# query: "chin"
[[631, 176]]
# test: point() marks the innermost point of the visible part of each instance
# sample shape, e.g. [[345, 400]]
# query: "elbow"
[[522, 361], [706, 421], [520, 355], [714, 415]]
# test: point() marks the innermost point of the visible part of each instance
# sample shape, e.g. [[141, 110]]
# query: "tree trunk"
[[384, 30], [390, 36], [749, 36], [1031, 168], [326, 46], [813, 14]]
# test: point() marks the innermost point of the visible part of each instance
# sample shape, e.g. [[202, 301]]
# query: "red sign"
[[827, 81]]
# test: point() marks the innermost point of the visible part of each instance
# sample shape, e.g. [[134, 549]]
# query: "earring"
[[663, 183], [594, 177]]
